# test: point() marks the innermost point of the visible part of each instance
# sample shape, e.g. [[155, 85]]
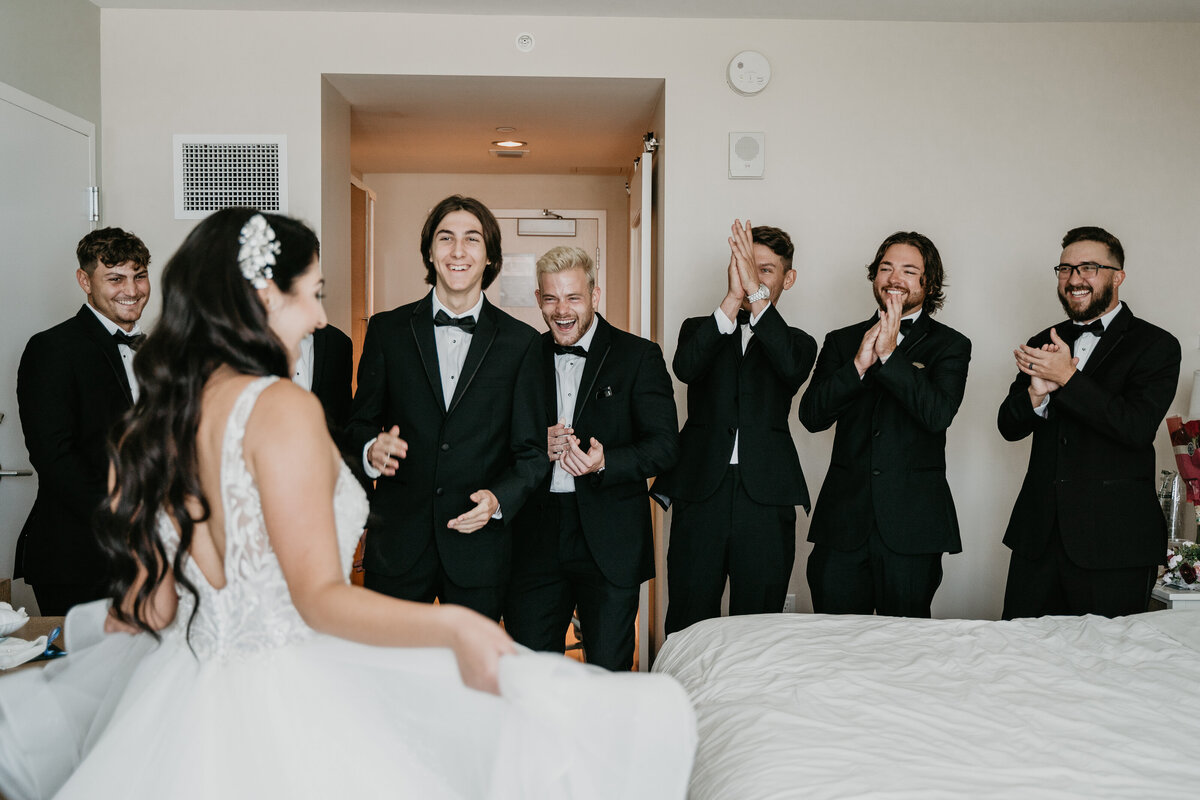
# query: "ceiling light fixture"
[[505, 129], [509, 143]]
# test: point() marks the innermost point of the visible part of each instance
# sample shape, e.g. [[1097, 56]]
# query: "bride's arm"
[[290, 454]]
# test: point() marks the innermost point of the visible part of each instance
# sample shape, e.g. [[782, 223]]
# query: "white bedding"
[[812, 706]]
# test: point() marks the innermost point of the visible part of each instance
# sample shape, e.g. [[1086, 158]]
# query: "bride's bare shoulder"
[[284, 410]]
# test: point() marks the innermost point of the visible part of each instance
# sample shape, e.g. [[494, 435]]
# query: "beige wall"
[[335, 205], [403, 202], [51, 50], [991, 138]]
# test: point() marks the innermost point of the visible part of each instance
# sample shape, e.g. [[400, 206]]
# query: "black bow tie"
[[132, 341], [906, 326], [569, 350], [1069, 331], [743, 317], [442, 319]]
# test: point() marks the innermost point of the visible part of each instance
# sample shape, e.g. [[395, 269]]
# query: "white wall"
[[991, 138]]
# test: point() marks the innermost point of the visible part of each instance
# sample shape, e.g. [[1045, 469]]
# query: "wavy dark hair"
[[211, 316], [934, 278], [110, 246], [491, 235]]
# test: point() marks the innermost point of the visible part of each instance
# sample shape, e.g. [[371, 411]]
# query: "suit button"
[[439, 491], [732, 430], [445, 446], [875, 434], [1064, 440], [875, 471]]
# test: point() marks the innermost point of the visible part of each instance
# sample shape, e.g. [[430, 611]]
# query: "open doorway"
[[415, 139]]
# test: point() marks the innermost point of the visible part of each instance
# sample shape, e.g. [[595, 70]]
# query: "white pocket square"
[[918, 365]]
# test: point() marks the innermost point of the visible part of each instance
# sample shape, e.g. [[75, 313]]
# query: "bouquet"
[[1182, 558]]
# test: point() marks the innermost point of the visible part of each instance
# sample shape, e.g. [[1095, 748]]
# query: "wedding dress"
[[245, 700]]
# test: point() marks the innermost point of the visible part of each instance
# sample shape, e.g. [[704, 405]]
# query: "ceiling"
[[447, 123], [906, 10]]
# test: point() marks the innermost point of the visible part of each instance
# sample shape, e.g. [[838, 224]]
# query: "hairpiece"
[[258, 251]]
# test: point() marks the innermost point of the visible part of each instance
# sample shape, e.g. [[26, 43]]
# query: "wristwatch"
[[762, 294]]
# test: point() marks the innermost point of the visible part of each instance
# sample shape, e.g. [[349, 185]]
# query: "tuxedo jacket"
[[627, 403], [492, 436], [72, 389], [1092, 464], [888, 465], [333, 368], [748, 395]]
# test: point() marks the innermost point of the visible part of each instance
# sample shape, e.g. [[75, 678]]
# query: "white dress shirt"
[[726, 326], [568, 372], [302, 375], [124, 349], [1082, 349]]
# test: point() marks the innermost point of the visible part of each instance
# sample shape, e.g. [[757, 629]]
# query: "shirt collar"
[[111, 326], [471, 312], [1106, 319]]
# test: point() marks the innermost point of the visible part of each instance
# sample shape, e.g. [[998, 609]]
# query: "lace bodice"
[[254, 610]]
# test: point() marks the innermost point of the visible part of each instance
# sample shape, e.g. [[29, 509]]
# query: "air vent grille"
[[215, 172]]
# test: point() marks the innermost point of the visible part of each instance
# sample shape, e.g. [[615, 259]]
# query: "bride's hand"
[[478, 645]]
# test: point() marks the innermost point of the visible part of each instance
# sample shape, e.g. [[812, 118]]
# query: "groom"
[[447, 418]]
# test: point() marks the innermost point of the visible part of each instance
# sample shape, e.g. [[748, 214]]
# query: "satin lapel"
[[422, 328], [597, 353], [319, 353], [919, 331], [550, 377], [97, 333], [481, 342], [1113, 335]]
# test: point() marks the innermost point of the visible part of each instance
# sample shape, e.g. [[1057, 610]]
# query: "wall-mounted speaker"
[[747, 154]]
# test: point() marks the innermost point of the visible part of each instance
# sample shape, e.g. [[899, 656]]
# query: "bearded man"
[[892, 385], [1086, 531]]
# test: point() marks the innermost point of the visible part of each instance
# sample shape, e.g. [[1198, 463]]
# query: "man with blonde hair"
[[583, 540]]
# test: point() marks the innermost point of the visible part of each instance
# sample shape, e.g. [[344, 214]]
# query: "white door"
[[652, 609], [46, 167]]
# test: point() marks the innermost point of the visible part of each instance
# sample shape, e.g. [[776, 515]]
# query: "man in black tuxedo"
[[892, 384], [74, 383], [585, 538], [325, 367], [1086, 532], [738, 481], [448, 417]]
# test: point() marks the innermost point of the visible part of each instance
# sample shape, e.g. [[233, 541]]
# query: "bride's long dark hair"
[[211, 315]]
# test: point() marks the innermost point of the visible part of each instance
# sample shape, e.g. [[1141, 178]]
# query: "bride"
[[239, 662]]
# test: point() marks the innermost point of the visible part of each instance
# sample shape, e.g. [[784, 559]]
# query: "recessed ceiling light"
[[509, 143], [505, 129]]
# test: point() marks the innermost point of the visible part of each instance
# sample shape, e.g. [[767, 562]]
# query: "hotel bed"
[[813, 706]]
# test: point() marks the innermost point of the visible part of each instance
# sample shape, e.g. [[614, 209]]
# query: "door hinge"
[[93, 203], [649, 143]]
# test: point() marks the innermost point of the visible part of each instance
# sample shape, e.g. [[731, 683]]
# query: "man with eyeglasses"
[[1086, 531]]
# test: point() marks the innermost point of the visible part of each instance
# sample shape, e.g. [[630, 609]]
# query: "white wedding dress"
[[251, 702]]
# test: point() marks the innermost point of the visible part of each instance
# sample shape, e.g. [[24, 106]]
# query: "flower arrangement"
[[1182, 567]]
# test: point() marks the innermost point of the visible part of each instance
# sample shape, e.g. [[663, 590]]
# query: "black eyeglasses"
[[1088, 269]]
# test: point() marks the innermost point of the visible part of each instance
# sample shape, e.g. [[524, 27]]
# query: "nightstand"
[[1170, 597]]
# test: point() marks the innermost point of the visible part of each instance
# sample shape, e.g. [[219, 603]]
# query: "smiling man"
[[74, 383], [584, 540], [735, 491], [447, 418], [892, 385], [1086, 531]]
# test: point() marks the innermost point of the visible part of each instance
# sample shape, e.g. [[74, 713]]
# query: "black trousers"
[[729, 536], [1053, 584], [873, 578], [56, 599], [554, 573], [428, 580]]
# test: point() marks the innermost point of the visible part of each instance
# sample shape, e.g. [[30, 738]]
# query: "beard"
[[1099, 304], [909, 304]]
